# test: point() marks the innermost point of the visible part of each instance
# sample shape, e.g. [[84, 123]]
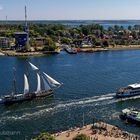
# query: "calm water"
[[106, 25], [90, 82]]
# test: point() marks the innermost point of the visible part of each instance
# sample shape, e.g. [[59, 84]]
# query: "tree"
[[81, 137], [44, 136], [129, 27], [98, 43], [65, 40], [105, 43]]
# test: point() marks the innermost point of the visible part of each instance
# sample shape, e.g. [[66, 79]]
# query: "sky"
[[70, 9]]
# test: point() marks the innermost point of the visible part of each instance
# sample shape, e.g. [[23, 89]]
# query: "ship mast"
[[14, 81]]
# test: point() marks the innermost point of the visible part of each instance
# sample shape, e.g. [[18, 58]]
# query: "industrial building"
[[21, 39], [4, 42]]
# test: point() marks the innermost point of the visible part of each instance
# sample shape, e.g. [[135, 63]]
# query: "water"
[[105, 25], [90, 82]]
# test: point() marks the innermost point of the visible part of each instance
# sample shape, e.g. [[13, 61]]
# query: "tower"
[[22, 38], [26, 23], [26, 29]]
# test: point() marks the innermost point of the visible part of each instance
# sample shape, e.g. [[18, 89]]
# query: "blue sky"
[[70, 9]]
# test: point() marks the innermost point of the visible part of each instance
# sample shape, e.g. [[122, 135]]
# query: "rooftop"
[[135, 85], [20, 33]]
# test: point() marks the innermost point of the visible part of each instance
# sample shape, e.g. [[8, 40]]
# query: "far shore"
[[123, 47], [85, 50], [111, 48], [37, 53]]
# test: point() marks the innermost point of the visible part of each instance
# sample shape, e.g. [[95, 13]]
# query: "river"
[[89, 85]]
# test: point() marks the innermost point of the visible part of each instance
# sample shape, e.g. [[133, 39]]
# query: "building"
[[21, 40], [4, 42], [39, 42]]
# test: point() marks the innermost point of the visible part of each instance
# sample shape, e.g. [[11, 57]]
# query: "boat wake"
[[61, 106], [43, 110]]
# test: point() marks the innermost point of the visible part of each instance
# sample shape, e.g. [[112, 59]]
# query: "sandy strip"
[[112, 133], [1, 54]]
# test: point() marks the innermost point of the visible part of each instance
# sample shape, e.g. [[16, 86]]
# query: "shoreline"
[[79, 50], [110, 48], [13, 53], [100, 131]]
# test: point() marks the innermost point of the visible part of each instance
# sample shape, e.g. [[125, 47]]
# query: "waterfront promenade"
[[98, 131]]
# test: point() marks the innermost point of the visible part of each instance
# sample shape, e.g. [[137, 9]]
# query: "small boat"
[[129, 91], [45, 88], [131, 115], [70, 50]]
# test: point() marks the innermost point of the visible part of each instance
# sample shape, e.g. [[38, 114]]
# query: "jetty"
[[97, 131]]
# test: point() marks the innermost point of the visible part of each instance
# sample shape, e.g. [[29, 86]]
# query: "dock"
[[97, 131]]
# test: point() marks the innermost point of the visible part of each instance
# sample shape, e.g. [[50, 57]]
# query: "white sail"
[[38, 83], [33, 66], [51, 81], [26, 85], [46, 85]]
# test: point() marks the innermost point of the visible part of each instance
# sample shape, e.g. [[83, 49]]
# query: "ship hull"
[[125, 95], [130, 119], [44, 94], [16, 101], [19, 98]]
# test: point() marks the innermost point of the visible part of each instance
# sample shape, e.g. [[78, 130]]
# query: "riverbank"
[[110, 48], [123, 47], [1, 54], [37, 53], [79, 50], [97, 131]]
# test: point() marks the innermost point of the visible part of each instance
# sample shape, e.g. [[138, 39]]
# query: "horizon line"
[[71, 20]]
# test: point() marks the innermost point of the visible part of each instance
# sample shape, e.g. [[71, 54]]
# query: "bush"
[[81, 137], [44, 136], [105, 43]]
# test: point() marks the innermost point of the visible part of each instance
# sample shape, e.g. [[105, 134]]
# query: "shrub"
[[81, 137]]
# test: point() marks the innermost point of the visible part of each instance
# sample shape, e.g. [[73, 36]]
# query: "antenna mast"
[[26, 17], [26, 29]]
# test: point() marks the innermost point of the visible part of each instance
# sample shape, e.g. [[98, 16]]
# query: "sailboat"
[[45, 83], [45, 88]]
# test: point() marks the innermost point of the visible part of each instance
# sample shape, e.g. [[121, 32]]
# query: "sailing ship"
[[129, 91], [45, 88]]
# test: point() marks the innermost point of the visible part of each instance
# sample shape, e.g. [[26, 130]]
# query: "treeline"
[[94, 34]]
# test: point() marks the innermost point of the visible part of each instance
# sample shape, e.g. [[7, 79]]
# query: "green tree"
[[65, 40], [105, 43], [81, 137], [98, 43], [49, 45], [44, 136]]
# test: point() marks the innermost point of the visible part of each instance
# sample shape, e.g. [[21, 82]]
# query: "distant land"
[[79, 21], [76, 23]]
